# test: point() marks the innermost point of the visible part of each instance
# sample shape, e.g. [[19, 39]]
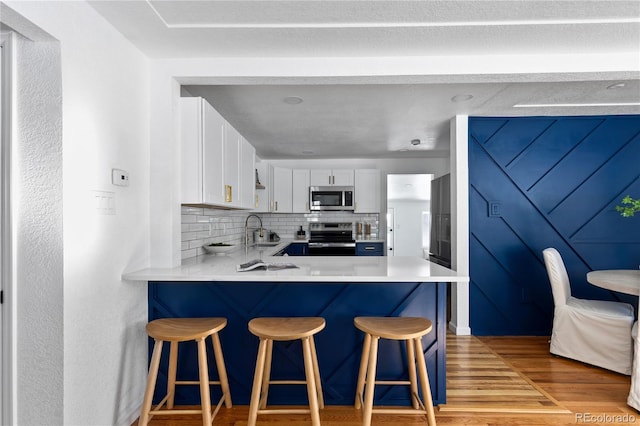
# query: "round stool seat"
[[286, 328], [394, 328], [183, 329]]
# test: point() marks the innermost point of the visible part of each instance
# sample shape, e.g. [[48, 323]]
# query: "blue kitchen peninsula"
[[334, 287]]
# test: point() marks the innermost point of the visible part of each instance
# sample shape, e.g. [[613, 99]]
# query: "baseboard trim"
[[459, 331]]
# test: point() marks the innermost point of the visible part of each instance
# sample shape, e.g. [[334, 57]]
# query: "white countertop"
[[336, 269]]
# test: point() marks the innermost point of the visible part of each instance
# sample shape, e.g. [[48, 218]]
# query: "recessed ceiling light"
[[616, 86], [292, 100], [461, 98], [415, 142]]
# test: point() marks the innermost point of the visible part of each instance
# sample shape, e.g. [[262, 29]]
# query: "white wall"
[[37, 212], [460, 223], [105, 125]]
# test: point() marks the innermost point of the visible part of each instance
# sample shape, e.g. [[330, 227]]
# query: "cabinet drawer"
[[297, 249], [369, 249]]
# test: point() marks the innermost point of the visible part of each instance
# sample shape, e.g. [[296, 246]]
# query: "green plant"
[[630, 206]]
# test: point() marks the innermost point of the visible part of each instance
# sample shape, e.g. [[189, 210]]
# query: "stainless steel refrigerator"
[[440, 244]]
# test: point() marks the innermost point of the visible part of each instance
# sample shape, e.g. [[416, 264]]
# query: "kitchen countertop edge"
[[329, 269]]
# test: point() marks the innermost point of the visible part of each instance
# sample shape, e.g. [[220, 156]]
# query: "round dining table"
[[624, 281]]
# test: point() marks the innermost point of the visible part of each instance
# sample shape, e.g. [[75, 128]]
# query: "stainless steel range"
[[331, 239]]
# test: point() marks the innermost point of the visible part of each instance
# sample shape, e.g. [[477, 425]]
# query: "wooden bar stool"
[[176, 330], [284, 329], [411, 330]]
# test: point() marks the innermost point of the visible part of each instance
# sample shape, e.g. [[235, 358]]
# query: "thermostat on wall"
[[119, 177]]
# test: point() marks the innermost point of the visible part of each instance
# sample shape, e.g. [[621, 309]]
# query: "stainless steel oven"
[[331, 239], [331, 198]]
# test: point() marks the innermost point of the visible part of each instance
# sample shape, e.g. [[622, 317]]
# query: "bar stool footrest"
[[161, 412], [218, 405], [285, 411], [412, 411], [158, 411], [287, 382], [392, 382], [195, 382]]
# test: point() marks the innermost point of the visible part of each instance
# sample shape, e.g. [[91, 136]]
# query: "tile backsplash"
[[202, 225]]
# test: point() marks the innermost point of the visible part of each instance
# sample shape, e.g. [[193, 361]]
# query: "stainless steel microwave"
[[331, 198]]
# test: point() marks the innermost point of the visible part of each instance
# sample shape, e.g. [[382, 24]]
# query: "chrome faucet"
[[246, 228]]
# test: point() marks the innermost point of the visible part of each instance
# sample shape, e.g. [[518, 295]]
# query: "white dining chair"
[[596, 332]]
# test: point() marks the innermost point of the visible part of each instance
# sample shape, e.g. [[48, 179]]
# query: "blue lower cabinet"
[[339, 345], [297, 249], [369, 249]]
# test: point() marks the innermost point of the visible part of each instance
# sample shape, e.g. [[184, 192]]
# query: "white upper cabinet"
[[343, 177], [330, 177], [300, 190], [281, 190], [367, 191], [214, 160], [231, 166], [202, 142], [247, 174]]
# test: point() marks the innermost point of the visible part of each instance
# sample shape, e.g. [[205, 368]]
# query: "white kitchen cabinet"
[[300, 190], [202, 144], [331, 177], [231, 166], [367, 191], [281, 190], [217, 163], [247, 174], [262, 202]]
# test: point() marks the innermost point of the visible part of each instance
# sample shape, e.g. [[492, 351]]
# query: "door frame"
[[7, 347]]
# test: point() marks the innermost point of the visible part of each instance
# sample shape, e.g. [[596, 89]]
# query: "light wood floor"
[[589, 394]]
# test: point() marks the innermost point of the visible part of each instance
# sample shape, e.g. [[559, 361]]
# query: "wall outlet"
[[119, 177]]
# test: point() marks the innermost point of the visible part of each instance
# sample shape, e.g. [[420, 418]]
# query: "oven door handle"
[[329, 245]]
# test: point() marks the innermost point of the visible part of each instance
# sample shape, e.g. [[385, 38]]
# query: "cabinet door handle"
[[276, 206], [228, 194], [370, 248]]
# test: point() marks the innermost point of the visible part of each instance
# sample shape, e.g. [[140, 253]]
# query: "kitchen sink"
[[266, 244]]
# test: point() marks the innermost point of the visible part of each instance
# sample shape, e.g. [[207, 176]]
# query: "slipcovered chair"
[[596, 332]]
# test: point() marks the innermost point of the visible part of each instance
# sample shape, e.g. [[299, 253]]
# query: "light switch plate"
[[494, 209], [104, 202]]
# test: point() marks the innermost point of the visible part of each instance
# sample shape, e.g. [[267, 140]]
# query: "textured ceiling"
[[373, 28], [359, 119]]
